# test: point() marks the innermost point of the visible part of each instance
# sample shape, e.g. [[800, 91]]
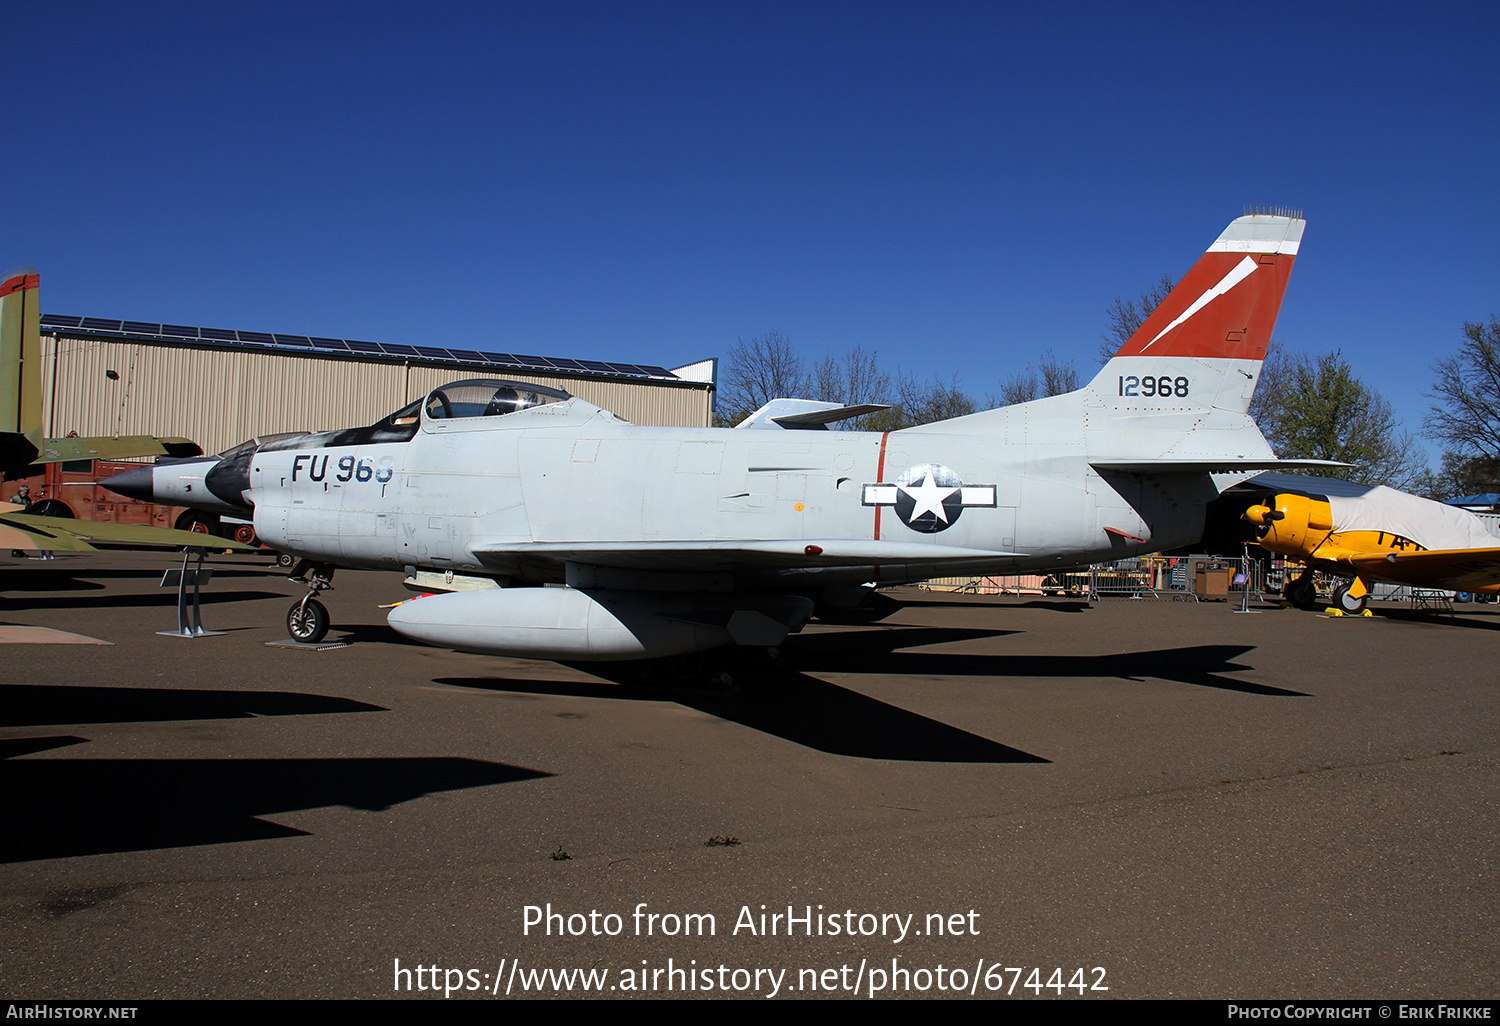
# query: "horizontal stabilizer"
[[805, 414], [822, 418]]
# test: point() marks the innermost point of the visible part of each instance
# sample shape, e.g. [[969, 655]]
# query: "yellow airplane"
[[22, 438], [1384, 535]]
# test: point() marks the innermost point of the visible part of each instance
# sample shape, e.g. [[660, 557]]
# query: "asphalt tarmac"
[[1022, 797]]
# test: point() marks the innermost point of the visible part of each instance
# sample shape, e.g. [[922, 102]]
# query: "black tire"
[[307, 622], [51, 508], [1302, 593], [1348, 603], [285, 560], [198, 523]]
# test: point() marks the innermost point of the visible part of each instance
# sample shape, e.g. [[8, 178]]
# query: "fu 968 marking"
[[347, 469]]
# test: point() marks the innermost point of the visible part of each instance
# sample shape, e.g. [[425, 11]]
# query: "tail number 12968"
[[1162, 387]]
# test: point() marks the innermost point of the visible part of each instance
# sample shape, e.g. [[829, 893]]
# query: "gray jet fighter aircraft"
[[670, 541]]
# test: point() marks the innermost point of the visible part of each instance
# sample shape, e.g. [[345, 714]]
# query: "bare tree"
[[768, 367], [1465, 413], [1460, 476], [1127, 315], [855, 379], [928, 402], [765, 368], [1051, 376]]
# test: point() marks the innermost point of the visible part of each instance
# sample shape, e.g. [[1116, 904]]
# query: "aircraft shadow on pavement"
[[30, 705], [1471, 618], [877, 652], [11, 747], [1057, 605], [48, 580], [166, 598], [60, 808], [801, 709]]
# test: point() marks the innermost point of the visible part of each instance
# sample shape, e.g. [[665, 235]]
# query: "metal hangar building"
[[220, 387]]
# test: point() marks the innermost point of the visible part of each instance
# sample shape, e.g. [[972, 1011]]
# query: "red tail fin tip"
[[1226, 306]]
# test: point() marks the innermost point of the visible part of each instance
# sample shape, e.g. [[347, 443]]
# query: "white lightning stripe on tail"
[[1240, 272]]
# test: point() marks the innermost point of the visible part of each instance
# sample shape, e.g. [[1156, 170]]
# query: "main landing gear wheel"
[[1302, 592], [1352, 605], [51, 508], [307, 621]]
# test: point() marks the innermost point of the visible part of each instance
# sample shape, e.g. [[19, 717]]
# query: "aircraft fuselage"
[[466, 494]]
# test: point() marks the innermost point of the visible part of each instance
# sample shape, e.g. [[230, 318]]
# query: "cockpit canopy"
[[486, 397], [473, 397]]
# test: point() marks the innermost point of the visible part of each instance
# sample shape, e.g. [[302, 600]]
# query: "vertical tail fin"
[[1204, 345], [20, 355]]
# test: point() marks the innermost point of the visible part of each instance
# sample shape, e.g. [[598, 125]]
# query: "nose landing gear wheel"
[[307, 621]]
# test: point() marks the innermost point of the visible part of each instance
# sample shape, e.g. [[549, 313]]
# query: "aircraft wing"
[[1458, 569], [20, 536], [59, 450], [1225, 465], [716, 556], [25, 531]]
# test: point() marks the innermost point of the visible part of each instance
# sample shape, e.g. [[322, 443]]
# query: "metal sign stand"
[[181, 578], [1245, 592]]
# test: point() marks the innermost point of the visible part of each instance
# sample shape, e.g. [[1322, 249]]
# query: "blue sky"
[[957, 186]]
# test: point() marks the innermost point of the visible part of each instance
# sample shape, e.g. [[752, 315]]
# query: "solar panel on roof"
[[512, 361]]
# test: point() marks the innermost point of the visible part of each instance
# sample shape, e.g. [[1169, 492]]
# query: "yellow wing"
[[1458, 569]]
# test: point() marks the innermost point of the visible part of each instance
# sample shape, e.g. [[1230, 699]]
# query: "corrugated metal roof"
[[302, 344]]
